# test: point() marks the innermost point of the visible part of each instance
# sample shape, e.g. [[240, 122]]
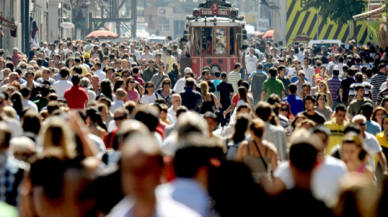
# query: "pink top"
[[132, 95], [362, 167]]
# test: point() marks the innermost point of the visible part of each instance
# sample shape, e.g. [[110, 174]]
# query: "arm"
[[330, 100], [241, 151], [263, 95], [274, 187], [283, 94], [231, 107], [383, 161], [219, 99], [350, 98], [341, 93], [215, 100], [141, 88]]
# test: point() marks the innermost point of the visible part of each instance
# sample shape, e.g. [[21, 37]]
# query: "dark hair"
[[118, 84], [52, 106], [106, 89], [31, 122], [25, 91], [303, 156], [352, 128], [335, 72], [292, 88], [367, 110], [64, 72], [237, 65], [17, 103], [272, 71], [148, 115], [75, 79], [45, 90], [263, 110], [359, 86], [309, 97], [241, 126], [369, 72], [181, 109], [340, 107], [77, 70]]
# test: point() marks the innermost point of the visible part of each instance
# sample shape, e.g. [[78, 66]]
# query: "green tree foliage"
[[339, 11]]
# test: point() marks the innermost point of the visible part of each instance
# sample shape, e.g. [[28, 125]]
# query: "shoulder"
[[270, 146]]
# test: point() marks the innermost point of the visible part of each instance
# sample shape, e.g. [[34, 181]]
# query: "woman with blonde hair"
[[323, 88], [209, 99]]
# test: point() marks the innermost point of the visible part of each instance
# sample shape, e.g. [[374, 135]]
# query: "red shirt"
[[15, 59], [235, 99], [76, 97], [139, 79]]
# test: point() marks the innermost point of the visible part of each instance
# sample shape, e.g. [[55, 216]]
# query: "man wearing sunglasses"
[[150, 71]]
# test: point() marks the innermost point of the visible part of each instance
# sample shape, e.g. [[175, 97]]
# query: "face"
[[95, 80], [167, 84], [45, 74], [305, 62], [119, 118], [379, 116], [301, 76], [150, 88], [211, 123], [321, 86], [176, 101], [361, 92], [350, 152], [29, 78], [160, 68], [13, 78], [321, 100], [284, 111], [306, 90], [309, 105], [340, 116], [206, 76]]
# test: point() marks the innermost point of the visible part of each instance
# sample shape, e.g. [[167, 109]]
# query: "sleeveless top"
[[207, 106], [362, 167], [258, 165]]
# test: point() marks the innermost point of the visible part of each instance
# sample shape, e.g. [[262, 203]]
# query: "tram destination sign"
[[214, 11]]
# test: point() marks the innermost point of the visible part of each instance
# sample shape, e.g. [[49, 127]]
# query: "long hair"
[[326, 87], [106, 89], [175, 68], [240, 128], [287, 107], [130, 78], [243, 94], [204, 88], [118, 84], [377, 109], [17, 103], [56, 132]]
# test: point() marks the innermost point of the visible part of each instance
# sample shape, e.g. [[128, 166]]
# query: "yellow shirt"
[[170, 60], [84, 70], [337, 133]]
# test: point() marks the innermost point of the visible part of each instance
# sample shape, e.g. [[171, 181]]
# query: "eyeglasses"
[[151, 62], [125, 76], [119, 118]]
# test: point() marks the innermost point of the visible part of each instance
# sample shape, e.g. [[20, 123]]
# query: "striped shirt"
[[381, 95], [368, 88], [376, 81], [233, 78], [334, 84]]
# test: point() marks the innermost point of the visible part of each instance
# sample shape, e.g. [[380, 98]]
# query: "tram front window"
[[221, 46], [207, 41]]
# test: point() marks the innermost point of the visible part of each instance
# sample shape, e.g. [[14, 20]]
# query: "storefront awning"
[[369, 13], [7, 24]]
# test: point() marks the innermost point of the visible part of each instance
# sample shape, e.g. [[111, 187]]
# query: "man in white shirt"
[[250, 61], [180, 84], [120, 96], [133, 51], [141, 169], [62, 85], [309, 71], [26, 93], [371, 144], [101, 74], [176, 101]]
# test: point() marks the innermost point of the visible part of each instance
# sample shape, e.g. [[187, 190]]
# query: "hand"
[[220, 105], [225, 113]]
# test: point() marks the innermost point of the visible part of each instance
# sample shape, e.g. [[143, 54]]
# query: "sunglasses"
[[150, 62], [1, 103], [132, 82], [284, 110], [301, 75], [125, 76], [362, 124], [150, 87], [119, 118], [167, 83]]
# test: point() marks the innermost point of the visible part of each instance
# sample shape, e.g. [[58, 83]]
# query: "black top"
[[317, 117], [345, 86], [212, 88], [192, 99], [225, 90]]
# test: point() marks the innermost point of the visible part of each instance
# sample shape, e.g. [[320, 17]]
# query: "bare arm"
[[215, 100], [231, 107], [350, 99], [283, 94], [274, 187], [219, 99], [330, 100], [341, 93], [383, 161], [263, 95], [241, 151]]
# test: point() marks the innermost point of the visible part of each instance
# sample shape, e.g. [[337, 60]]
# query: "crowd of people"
[[100, 128]]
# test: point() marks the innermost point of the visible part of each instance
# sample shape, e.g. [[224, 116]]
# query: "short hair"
[[52, 106], [335, 72], [25, 91], [77, 70], [359, 86], [340, 107], [64, 72], [190, 82], [45, 90], [148, 115], [75, 79], [84, 82], [263, 110], [237, 65], [273, 71], [309, 97], [181, 109], [292, 87], [351, 71]]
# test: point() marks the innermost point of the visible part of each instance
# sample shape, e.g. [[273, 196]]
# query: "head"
[[120, 115], [309, 102], [176, 100], [352, 149], [360, 90], [378, 114]]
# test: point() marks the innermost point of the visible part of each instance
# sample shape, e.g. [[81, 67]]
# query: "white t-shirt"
[[324, 180], [250, 63], [101, 75], [146, 99], [30, 104], [372, 146], [309, 71], [61, 86]]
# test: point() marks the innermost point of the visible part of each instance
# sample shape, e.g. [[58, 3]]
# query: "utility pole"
[[133, 18], [25, 33]]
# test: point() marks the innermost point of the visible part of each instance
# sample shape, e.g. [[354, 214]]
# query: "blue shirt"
[[373, 127], [216, 82], [295, 79], [296, 103]]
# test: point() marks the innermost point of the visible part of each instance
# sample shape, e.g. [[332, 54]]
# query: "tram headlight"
[[196, 13], [233, 13]]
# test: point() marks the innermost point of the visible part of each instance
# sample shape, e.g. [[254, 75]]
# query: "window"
[[207, 40], [164, 24], [152, 22], [221, 46], [197, 40]]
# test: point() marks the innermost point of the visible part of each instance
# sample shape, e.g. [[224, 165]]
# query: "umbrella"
[[268, 34], [102, 34]]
